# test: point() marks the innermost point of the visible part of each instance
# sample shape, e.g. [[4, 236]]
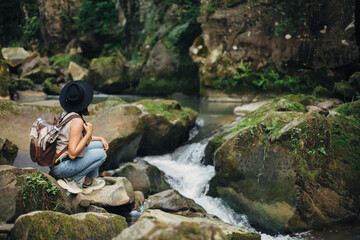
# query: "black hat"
[[76, 96]]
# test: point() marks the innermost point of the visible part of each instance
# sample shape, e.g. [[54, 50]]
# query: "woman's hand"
[[104, 143], [88, 128]]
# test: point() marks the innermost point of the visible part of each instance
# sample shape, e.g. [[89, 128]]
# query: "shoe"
[[69, 185], [94, 185]]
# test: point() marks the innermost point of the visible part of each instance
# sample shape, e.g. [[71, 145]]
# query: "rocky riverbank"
[[291, 165]]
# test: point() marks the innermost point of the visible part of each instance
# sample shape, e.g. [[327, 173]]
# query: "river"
[[185, 172]]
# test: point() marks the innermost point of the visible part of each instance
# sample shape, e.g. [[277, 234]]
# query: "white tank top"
[[64, 136]]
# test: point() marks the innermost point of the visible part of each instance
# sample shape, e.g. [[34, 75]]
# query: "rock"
[[63, 60], [51, 87], [279, 167], [93, 208], [167, 125], [330, 103], [23, 84], [51, 225], [39, 74], [26, 190], [117, 191], [344, 90], [108, 74], [144, 177], [172, 201], [14, 56], [243, 109], [139, 200], [154, 222], [354, 82], [8, 151], [77, 72], [31, 62], [5, 83], [350, 110], [320, 91], [319, 110], [160, 63], [121, 125], [151, 229]]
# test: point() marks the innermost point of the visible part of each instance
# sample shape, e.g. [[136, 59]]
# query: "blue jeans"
[[87, 166]]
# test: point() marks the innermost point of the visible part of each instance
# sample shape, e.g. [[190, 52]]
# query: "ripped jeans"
[[86, 166]]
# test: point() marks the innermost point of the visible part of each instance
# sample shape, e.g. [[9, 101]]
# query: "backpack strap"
[[63, 122]]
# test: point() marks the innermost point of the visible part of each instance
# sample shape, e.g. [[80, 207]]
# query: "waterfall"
[[185, 173]]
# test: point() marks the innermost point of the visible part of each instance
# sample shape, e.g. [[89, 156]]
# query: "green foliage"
[[351, 110], [31, 28], [101, 18], [35, 186], [211, 6], [266, 79]]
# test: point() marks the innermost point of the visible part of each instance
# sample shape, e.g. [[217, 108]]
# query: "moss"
[[48, 225], [351, 110], [63, 60], [50, 86], [320, 91], [7, 106], [170, 109]]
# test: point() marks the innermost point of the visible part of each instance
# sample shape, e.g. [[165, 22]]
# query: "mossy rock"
[[154, 222], [4, 79], [351, 110], [284, 167], [23, 84], [108, 74], [320, 91], [344, 91], [167, 125], [8, 151], [52, 225], [63, 60], [39, 74], [27, 190], [50, 86]]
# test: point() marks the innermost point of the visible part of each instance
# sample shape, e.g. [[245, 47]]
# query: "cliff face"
[[316, 36]]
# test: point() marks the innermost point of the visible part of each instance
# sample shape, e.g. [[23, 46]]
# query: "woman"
[[81, 153]]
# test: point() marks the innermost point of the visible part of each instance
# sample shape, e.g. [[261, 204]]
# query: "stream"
[[185, 172]]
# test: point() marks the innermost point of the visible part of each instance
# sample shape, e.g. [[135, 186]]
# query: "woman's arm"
[[75, 144], [103, 141]]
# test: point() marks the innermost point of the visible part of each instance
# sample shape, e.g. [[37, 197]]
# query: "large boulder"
[[117, 192], [14, 56], [167, 125], [144, 177], [8, 152], [108, 74], [53, 225], [31, 62], [287, 169], [154, 224], [77, 72], [172, 201], [27, 190], [121, 125]]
